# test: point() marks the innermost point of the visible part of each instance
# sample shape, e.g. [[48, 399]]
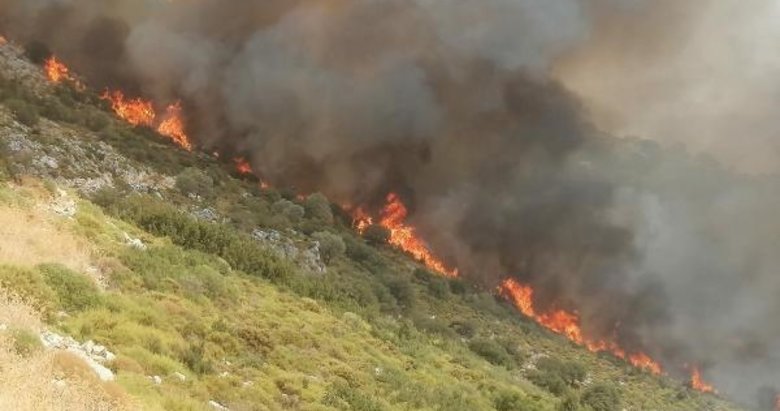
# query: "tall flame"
[[57, 72], [173, 126], [698, 383], [393, 217], [568, 324]]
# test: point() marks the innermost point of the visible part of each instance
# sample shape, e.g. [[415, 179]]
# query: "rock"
[[102, 372], [3, 327], [109, 356], [60, 384], [247, 384], [224, 374], [217, 406], [134, 242], [63, 205], [206, 214], [157, 380], [181, 377]]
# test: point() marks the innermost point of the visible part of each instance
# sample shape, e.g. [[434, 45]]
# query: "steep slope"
[[213, 291]]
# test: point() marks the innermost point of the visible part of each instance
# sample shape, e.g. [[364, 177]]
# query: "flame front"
[[173, 126], [568, 324], [698, 383], [135, 111], [57, 72], [393, 217]]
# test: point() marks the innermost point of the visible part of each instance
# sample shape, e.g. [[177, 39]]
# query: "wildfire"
[[393, 217], [140, 112], [57, 72], [698, 383], [568, 324], [173, 127], [3, 41], [242, 166], [135, 111], [777, 403]]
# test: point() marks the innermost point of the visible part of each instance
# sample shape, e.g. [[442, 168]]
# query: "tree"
[[331, 245], [376, 234], [318, 208]]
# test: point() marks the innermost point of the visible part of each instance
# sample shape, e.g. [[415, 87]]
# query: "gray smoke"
[[459, 107]]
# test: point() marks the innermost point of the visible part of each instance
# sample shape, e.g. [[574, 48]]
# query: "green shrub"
[[570, 372], [25, 342], [601, 397], [570, 403], [466, 328], [331, 245], [28, 284], [75, 292], [344, 397], [291, 211], [491, 351], [513, 401], [376, 234], [318, 208], [549, 381], [194, 181], [24, 112], [403, 292]]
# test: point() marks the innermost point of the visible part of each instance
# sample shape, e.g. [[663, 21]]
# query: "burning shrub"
[[601, 397], [331, 245]]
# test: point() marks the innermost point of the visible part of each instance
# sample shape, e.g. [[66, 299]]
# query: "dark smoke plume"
[[458, 107]]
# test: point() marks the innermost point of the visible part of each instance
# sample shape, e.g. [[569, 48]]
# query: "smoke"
[[469, 112]]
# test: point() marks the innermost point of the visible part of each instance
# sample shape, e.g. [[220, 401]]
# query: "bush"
[[601, 397], [467, 328], [570, 372], [24, 112], [492, 351], [331, 245], [25, 342], [194, 181], [403, 292], [318, 208], [551, 382], [75, 292], [570, 403], [291, 211], [376, 234], [513, 401], [28, 284]]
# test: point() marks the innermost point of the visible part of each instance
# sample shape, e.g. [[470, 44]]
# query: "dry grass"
[[48, 380], [32, 237]]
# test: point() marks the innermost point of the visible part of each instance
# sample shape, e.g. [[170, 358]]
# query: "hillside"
[[212, 292]]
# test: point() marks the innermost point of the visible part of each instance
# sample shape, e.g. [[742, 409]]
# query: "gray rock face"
[[217, 406], [94, 355], [304, 253]]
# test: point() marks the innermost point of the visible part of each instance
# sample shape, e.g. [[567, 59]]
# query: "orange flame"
[[242, 166], [139, 112], [698, 383], [135, 111], [568, 324], [173, 127], [393, 217], [57, 72], [3, 41]]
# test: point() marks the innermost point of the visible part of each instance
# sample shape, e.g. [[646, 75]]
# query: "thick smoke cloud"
[[459, 107]]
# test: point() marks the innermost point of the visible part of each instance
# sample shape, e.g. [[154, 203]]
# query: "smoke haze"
[[494, 121]]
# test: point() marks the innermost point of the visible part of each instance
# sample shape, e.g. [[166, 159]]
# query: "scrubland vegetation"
[[217, 316]]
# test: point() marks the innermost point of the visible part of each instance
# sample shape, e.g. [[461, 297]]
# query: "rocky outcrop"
[[94, 355], [304, 253]]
